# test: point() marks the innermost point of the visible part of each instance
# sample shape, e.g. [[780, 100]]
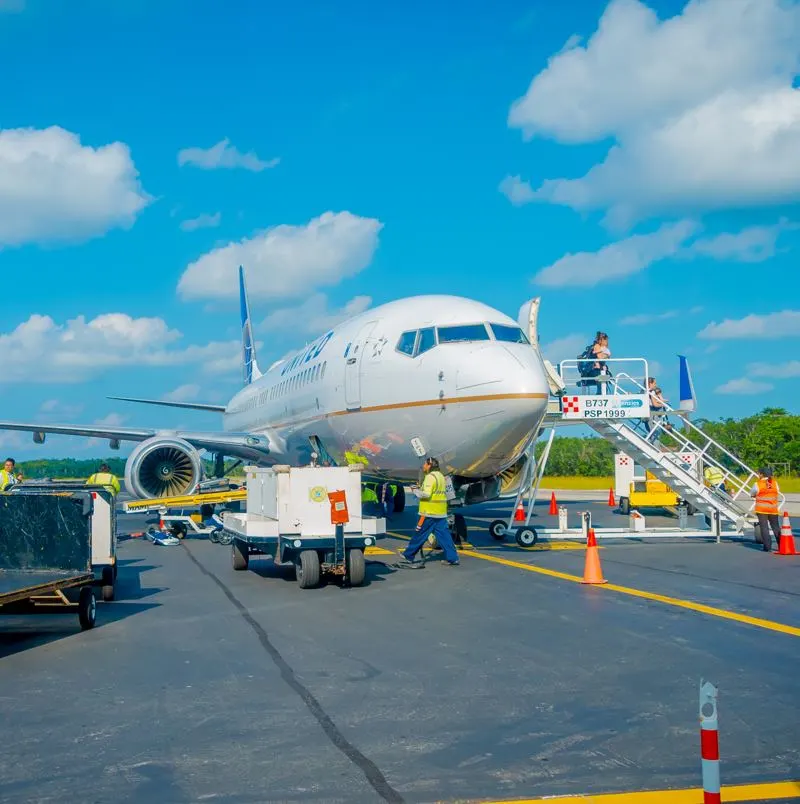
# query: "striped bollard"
[[709, 743]]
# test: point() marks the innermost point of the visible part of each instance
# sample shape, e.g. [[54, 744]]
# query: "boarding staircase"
[[676, 457]]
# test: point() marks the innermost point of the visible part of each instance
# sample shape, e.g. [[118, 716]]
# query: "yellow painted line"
[[378, 551], [626, 590], [737, 792]]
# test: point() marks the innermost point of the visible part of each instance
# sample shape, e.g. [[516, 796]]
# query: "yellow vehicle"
[[648, 493]]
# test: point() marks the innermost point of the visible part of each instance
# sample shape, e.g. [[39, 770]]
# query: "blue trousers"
[[437, 526]]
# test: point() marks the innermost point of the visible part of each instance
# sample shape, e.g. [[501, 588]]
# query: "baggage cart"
[[308, 518]]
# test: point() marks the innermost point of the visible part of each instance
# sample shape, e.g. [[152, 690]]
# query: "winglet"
[[688, 398], [249, 363]]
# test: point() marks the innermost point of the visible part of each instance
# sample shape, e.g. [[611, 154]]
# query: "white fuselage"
[[471, 399]]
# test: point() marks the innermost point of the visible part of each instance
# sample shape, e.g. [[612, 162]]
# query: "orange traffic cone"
[[519, 514], [786, 547], [592, 573], [553, 504], [611, 501]]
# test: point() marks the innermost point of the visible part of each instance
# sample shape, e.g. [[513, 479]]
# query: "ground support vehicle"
[[103, 526], [309, 518], [46, 554]]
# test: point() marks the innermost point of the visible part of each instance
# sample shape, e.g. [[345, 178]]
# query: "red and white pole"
[[709, 743]]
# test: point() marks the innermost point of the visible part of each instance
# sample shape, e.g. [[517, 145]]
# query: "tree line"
[[771, 437]]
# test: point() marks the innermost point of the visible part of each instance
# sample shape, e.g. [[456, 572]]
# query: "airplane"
[[424, 375]]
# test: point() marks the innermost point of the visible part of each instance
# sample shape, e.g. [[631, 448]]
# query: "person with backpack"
[[592, 363]]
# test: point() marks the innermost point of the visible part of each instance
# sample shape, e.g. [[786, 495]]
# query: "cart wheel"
[[433, 542], [87, 608], [308, 569], [497, 530], [224, 536], [624, 505], [214, 536], [108, 593], [179, 530], [240, 556], [526, 537], [356, 567]]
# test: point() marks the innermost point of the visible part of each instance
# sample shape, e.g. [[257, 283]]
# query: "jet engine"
[[163, 467]]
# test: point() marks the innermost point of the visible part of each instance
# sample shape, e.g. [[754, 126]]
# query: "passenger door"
[[352, 369]]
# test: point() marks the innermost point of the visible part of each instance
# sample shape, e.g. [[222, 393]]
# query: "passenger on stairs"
[[766, 492], [658, 406]]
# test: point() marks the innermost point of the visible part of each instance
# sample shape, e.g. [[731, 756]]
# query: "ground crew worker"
[[370, 505], [766, 492], [7, 476], [106, 478], [432, 519], [714, 478], [388, 491]]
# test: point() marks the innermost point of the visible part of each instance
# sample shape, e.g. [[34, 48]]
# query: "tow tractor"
[[176, 520], [308, 518]]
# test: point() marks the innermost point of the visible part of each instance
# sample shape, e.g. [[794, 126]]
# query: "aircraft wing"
[[239, 445]]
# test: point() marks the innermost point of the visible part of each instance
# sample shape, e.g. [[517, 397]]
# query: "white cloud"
[[744, 386], [203, 221], [777, 371], [286, 261], [772, 325], [52, 188], [516, 190], [313, 315], [566, 348], [616, 260], [701, 107], [52, 410], [224, 155], [753, 244], [40, 350], [183, 393], [647, 318]]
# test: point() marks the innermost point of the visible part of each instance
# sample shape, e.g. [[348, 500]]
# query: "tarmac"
[[503, 679]]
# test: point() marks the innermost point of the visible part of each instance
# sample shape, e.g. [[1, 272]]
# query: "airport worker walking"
[[7, 476], [432, 518], [105, 477], [766, 492]]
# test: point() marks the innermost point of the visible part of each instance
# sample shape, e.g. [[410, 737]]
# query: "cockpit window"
[[406, 343], [507, 334], [462, 332], [427, 340]]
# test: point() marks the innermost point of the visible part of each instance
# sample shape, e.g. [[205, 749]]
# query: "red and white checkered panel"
[[569, 404], [688, 457], [623, 460]]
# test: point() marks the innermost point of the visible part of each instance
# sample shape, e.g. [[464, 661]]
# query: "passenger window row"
[[309, 375], [415, 342]]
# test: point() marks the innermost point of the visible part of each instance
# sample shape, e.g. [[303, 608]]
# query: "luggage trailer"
[[308, 518]]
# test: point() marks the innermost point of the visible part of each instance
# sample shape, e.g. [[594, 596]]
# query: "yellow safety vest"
[[434, 491], [105, 479], [6, 478], [368, 495], [713, 475]]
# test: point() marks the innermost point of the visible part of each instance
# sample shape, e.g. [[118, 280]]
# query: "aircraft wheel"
[[400, 499], [624, 505], [460, 529], [497, 530], [526, 537]]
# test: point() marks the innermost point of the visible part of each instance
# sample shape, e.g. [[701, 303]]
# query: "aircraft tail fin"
[[249, 362], [688, 399]]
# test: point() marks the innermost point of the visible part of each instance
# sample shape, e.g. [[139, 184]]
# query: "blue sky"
[[637, 165]]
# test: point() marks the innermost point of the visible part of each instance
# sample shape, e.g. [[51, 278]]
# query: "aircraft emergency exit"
[[425, 375]]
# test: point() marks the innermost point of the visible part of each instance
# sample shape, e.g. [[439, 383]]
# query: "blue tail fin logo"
[[687, 394], [249, 363]]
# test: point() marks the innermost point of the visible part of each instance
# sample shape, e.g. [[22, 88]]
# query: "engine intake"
[[163, 467]]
